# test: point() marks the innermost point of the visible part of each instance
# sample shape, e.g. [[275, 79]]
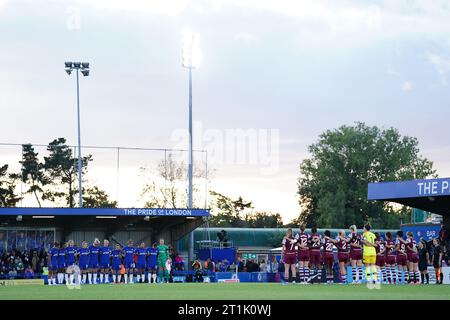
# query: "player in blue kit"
[[152, 263], [128, 261], [61, 263], [116, 264], [70, 260], [94, 251], [105, 260], [53, 263], [83, 261], [141, 262]]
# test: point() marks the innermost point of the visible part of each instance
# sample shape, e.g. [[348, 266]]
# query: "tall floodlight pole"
[[84, 68], [190, 59]]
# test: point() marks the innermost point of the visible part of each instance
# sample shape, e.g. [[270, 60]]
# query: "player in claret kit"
[[83, 261], [105, 261], [53, 263], [141, 262], [314, 254], [381, 256], [356, 254], [152, 263], [381, 250], [303, 254], [342, 244], [94, 251], [128, 261], [413, 259], [289, 256], [116, 264], [400, 249], [390, 259], [328, 255]]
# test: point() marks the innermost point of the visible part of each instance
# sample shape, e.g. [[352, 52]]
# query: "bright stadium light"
[[191, 54], [84, 68]]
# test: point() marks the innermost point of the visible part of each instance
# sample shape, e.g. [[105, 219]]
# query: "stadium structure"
[[432, 195]]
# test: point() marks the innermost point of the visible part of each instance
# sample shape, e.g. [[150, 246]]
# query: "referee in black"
[[437, 260], [424, 260]]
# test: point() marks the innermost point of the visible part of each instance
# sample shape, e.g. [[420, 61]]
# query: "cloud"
[[244, 37], [441, 64], [393, 72], [408, 86], [314, 24], [156, 7]]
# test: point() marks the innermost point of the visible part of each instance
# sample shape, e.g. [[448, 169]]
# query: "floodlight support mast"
[[190, 168], [190, 59], [84, 67], [80, 183]]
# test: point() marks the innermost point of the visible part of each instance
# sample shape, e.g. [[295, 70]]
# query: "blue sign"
[[426, 231], [104, 212], [409, 189]]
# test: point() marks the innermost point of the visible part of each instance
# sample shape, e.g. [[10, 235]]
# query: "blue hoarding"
[[426, 231], [104, 212], [409, 189]]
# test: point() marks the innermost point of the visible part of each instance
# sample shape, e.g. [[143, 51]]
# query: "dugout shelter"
[[84, 224], [432, 195]]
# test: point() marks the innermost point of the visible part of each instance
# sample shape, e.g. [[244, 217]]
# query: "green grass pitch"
[[226, 291]]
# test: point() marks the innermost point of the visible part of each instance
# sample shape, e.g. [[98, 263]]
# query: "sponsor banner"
[[445, 274], [426, 231], [21, 282], [104, 212], [409, 189]]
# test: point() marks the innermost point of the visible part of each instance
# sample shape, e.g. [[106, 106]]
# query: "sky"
[[274, 74]]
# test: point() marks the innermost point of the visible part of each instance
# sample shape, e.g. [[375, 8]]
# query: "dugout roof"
[[172, 224], [432, 195]]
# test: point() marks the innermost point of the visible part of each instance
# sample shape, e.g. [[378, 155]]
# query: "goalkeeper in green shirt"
[[163, 258]]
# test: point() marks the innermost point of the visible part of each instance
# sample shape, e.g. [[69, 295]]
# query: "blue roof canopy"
[[432, 195], [409, 189]]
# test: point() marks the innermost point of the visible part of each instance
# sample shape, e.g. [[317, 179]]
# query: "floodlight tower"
[[84, 68], [191, 57]]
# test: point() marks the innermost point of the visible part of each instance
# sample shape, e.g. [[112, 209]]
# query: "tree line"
[[332, 183], [52, 179]]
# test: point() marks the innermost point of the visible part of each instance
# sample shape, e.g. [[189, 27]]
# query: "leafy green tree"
[[276, 239], [333, 181], [8, 183], [96, 198], [227, 212], [33, 173], [265, 220], [62, 169]]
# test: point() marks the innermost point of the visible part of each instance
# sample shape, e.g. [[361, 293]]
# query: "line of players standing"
[[96, 262], [397, 259]]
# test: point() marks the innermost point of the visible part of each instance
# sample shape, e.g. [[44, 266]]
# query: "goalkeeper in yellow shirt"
[[370, 256]]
